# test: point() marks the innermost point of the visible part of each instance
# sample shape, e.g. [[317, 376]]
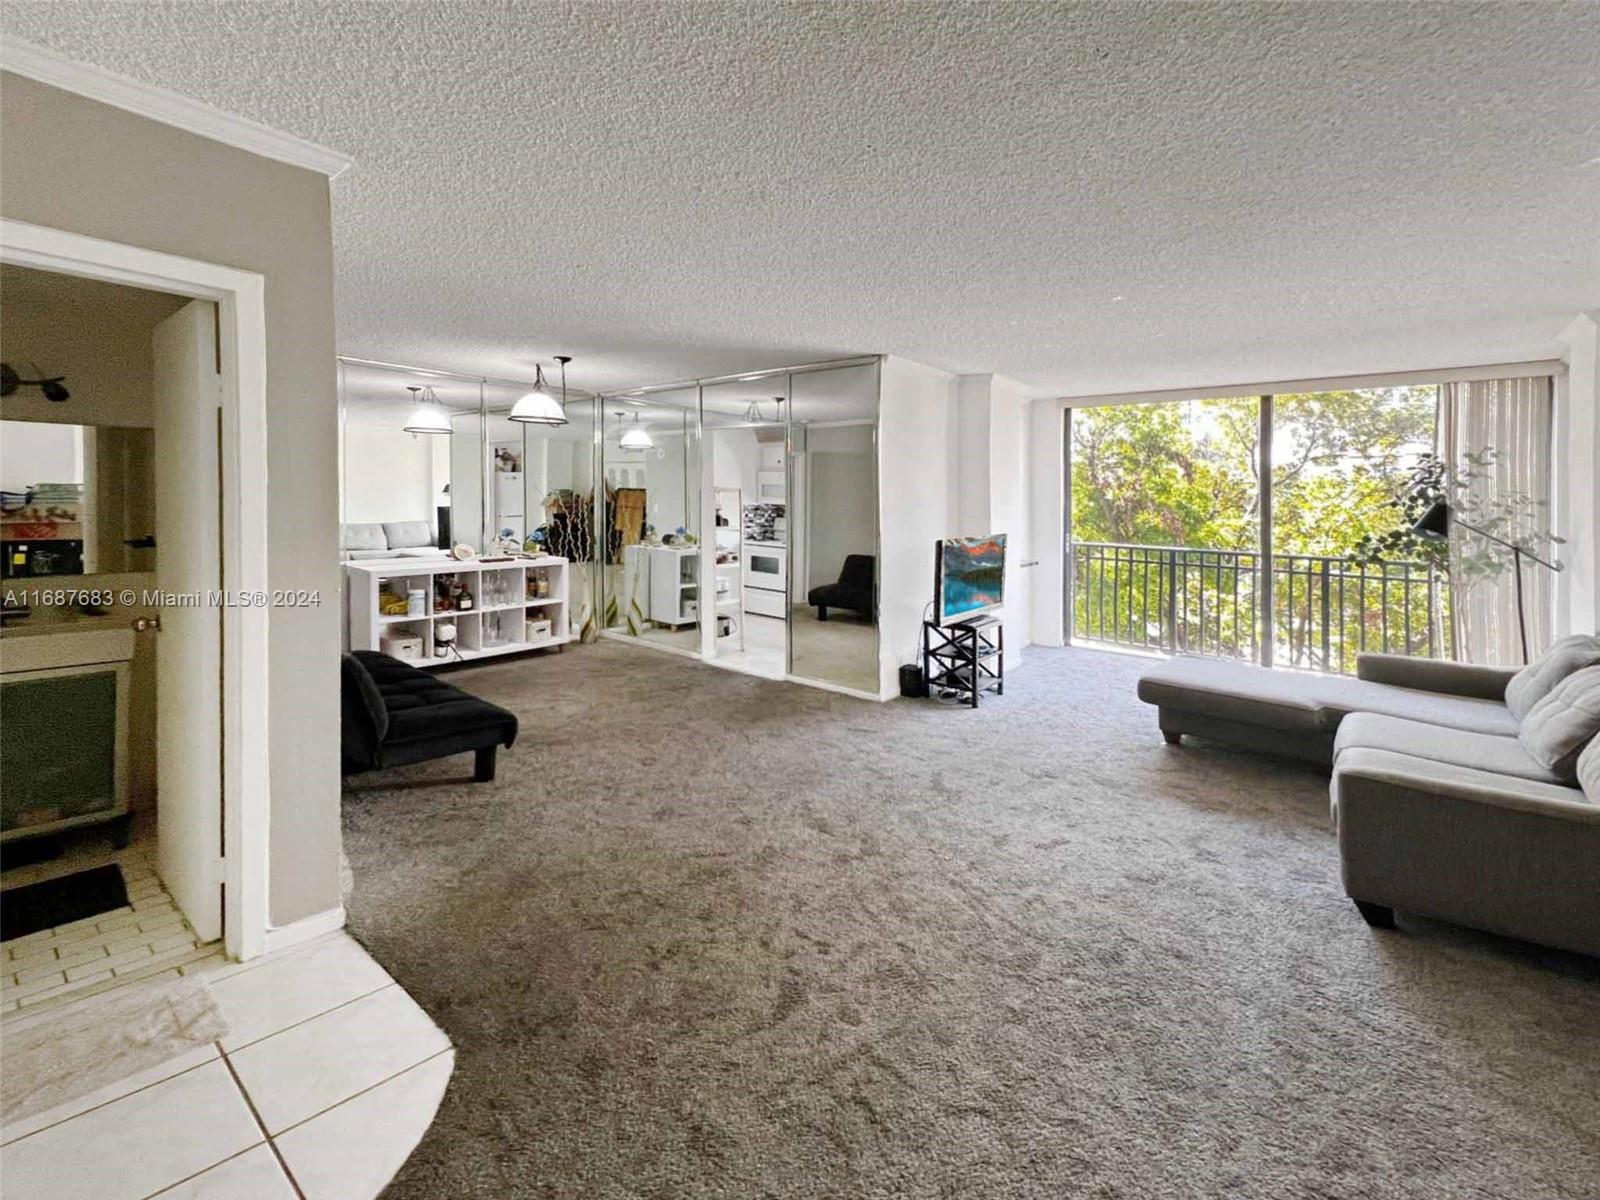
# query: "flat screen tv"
[[969, 577]]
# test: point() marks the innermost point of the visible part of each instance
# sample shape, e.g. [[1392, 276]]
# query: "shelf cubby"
[[505, 598]]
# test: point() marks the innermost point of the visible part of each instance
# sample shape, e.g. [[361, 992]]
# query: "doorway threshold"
[[147, 938]]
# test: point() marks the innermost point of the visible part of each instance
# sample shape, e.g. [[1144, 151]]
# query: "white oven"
[[766, 566]]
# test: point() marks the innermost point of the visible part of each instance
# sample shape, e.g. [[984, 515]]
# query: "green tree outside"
[[1184, 475]]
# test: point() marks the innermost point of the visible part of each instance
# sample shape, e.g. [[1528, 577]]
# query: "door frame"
[[240, 297]]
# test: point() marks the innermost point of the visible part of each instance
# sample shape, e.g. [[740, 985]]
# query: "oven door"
[[766, 567]]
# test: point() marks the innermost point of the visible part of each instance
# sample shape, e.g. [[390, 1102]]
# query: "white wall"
[[993, 469], [32, 452], [1008, 506], [972, 456], [736, 457], [388, 474], [1047, 522], [466, 479], [664, 481], [918, 497], [1577, 495], [839, 474]]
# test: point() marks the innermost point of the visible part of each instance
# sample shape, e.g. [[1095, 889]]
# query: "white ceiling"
[[1085, 197]]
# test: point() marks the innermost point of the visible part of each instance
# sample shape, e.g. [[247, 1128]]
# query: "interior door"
[[188, 393]]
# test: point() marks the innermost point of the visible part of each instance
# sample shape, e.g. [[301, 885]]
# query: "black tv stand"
[[960, 661]]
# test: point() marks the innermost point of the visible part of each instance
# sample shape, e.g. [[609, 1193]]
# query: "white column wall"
[[1047, 485], [918, 495], [993, 466], [1577, 494]]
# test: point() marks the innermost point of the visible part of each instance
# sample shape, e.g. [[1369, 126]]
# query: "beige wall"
[[74, 164], [96, 334]]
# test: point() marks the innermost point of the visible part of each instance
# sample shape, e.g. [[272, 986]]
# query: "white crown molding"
[[160, 104]]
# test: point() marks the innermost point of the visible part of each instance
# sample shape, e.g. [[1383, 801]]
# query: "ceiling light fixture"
[[753, 413], [539, 406], [637, 437], [429, 415]]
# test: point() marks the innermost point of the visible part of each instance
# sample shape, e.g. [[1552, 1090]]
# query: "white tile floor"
[[766, 648], [146, 939], [326, 1080]]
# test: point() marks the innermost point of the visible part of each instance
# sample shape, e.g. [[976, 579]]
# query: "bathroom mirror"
[[76, 499]]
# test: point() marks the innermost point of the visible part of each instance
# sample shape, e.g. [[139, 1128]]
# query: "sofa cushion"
[[1589, 770], [365, 537], [419, 552], [1302, 702], [402, 534], [1559, 727], [364, 718], [1539, 678], [423, 707], [1436, 743]]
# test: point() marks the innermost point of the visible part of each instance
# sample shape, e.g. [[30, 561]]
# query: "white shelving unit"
[[675, 585], [504, 601], [728, 588]]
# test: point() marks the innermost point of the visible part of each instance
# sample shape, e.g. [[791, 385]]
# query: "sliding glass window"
[[1177, 547]]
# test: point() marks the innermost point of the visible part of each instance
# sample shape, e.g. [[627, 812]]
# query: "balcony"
[[1323, 611]]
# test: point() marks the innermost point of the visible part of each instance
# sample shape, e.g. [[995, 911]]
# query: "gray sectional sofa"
[[389, 539], [1468, 794]]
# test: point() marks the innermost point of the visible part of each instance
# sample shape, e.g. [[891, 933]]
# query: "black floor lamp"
[[1435, 526]]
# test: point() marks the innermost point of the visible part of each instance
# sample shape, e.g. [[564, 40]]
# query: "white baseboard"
[[281, 937]]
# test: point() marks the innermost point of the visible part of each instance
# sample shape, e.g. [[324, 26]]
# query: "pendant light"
[[539, 406], [429, 415], [753, 413], [637, 437]]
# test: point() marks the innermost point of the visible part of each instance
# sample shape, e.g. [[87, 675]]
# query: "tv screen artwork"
[[971, 576]]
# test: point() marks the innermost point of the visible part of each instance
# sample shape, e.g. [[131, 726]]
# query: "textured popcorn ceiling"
[[1086, 198]]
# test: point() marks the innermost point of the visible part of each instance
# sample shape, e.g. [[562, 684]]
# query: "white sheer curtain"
[[1494, 437]]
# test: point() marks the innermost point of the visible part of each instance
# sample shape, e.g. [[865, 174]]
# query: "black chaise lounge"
[[395, 714], [852, 591]]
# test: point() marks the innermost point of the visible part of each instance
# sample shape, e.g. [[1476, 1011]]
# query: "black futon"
[[853, 589], [394, 714]]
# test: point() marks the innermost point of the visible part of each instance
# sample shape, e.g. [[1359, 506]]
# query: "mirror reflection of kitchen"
[[746, 426], [108, 411]]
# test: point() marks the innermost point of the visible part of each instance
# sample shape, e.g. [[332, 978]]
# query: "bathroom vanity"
[[64, 695]]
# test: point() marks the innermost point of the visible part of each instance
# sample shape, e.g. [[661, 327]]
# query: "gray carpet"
[[711, 935]]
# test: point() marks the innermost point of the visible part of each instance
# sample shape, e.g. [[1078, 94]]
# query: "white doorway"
[[213, 800], [187, 389]]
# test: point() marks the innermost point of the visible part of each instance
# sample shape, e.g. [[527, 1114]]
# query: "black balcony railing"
[[1325, 610]]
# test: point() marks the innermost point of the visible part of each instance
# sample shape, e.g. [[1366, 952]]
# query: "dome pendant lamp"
[[637, 437], [539, 406], [429, 415]]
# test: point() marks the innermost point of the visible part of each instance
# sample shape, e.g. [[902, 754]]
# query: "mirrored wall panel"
[[786, 470], [76, 499], [539, 493], [435, 470], [411, 484], [650, 456], [745, 430], [832, 479]]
